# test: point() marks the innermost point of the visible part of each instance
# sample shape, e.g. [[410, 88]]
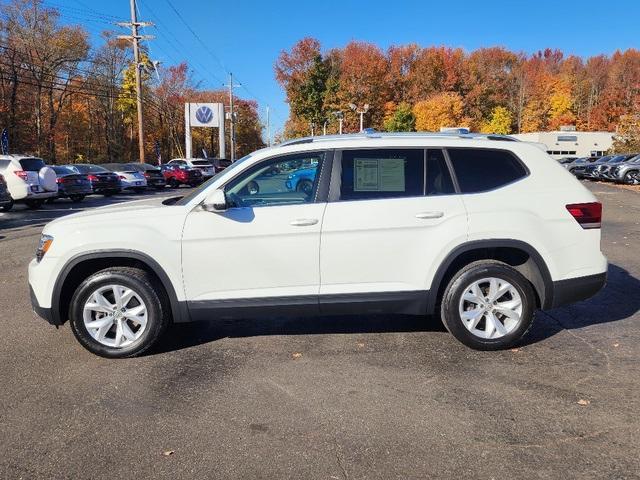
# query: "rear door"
[[392, 217]]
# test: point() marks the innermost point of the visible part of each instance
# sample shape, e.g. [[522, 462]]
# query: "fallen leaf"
[[168, 452], [296, 354], [616, 345], [514, 350], [583, 402], [360, 344]]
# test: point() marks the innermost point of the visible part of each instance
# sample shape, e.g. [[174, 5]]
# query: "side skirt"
[[408, 303]]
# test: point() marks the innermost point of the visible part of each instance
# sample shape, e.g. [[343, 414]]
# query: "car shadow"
[[619, 299]]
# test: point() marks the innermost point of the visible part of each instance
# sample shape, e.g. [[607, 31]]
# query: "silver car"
[[627, 172]]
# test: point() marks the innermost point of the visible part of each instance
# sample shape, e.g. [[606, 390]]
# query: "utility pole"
[[232, 117], [268, 128], [135, 40]]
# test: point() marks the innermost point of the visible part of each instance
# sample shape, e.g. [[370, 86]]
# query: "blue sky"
[[246, 37]]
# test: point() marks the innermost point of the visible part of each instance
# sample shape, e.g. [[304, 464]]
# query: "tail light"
[[92, 178], [122, 177], [59, 180], [588, 215], [147, 175], [22, 174]]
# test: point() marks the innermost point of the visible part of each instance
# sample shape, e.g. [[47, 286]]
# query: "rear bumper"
[[575, 289]]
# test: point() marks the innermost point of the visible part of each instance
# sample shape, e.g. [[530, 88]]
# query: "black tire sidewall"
[[155, 313], [456, 288]]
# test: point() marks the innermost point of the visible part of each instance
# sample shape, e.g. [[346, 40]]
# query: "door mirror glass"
[[215, 202]]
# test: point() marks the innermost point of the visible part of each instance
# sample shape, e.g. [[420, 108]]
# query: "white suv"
[[28, 179], [481, 230]]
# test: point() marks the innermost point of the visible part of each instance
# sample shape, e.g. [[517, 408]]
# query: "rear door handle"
[[427, 215], [303, 222]]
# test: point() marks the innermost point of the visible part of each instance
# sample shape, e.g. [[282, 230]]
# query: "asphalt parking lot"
[[333, 398]]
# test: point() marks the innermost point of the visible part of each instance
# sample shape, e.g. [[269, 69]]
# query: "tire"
[[34, 204], [76, 198], [453, 304], [145, 287], [305, 186], [173, 183], [49, 201], [7, 207], [139, 190], [631, 178]]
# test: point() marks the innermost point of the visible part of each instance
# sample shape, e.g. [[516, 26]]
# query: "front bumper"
[[42, 312], [575, 289]]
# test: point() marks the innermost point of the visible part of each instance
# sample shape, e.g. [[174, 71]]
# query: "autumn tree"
[[440, 110], [400, 119]]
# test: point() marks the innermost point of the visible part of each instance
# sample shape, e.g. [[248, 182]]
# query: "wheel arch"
[[518, 254], [81, 266]]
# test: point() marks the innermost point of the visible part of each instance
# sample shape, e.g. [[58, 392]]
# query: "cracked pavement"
[[330, 398]]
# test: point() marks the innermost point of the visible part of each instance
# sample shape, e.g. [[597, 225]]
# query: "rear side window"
[[438, 177], [4, 164], [32, 164], [384, 173], [479, 170]]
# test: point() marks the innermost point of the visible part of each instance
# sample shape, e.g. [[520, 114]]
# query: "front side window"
[[286, 180], [384, 173], [479, 170]]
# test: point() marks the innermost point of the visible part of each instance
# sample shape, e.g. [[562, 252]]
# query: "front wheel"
[[488, 305], [119, 312]]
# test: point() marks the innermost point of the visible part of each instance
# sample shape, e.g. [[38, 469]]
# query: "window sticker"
[[379, 175]]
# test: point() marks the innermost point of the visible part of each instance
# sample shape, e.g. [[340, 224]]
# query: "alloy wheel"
[[490, 308], [115, 316]]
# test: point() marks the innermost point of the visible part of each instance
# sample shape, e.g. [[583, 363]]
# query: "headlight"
[[43, 246]]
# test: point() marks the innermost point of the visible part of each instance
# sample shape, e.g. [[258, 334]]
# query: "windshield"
[[187, 198], [201, 163]]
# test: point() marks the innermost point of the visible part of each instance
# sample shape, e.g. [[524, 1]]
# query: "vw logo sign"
[[204, 114]]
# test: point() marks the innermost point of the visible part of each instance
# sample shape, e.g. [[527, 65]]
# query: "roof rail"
[[371, 133]]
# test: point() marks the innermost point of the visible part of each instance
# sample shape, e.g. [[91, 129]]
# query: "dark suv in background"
[[102, 180]]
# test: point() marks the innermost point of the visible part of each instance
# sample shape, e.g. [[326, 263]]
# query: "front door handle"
[[303, 222], [427, 215]]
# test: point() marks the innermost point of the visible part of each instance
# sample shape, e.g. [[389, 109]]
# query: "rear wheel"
[[76, 198], [488, 305], [119, 312], [6, 207], [34, 204], [173, 183]]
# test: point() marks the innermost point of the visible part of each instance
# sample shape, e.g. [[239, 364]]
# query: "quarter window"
[[286, 180], [385, 173], [479, 170]]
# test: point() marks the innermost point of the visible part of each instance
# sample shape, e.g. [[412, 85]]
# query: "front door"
[[264, 250]]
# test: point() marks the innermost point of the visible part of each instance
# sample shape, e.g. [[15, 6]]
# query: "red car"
[[179, 175]]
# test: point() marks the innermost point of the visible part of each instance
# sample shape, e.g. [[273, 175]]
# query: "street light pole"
[[362, 111], [340, 116]]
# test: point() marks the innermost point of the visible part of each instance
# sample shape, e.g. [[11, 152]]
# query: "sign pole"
[[221, 139], [187, 130]]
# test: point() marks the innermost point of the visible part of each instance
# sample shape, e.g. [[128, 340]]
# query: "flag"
[[4, 141], [158, 152]]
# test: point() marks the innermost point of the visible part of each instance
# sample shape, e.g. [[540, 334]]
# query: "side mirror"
[[215, 202]]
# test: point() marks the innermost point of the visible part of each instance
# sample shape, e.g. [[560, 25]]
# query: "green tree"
[[500, 123], [401, 120]]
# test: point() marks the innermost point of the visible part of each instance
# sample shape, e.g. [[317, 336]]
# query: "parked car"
[[153, 174], [604, 172], [627, 172], [592, 171], [578, 166], [206, 166], [130, 178], [481, 231], [302, 180], [103, 181], [6, 202], [71, 184], [28, 179], [176, 175]]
